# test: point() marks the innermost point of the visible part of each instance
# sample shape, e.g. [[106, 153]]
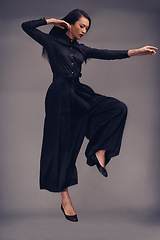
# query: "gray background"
[[126, 205]]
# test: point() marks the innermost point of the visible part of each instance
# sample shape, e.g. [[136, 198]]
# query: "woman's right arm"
[[30, 27]]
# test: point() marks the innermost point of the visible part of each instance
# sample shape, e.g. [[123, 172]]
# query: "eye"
[[81, 26]]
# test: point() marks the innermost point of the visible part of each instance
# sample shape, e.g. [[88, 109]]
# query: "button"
[[71, 47], [72, 54], [72, 63], [72, 72]]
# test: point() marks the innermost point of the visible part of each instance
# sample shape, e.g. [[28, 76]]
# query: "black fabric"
[[74, 110]]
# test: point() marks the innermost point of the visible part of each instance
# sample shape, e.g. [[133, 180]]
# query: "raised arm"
[[30, 27]]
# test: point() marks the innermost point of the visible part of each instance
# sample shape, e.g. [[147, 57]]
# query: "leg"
[[100, 154], [105, 129], [66, 202]]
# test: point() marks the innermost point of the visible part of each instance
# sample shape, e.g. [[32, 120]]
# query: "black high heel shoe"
[[72, 218], [100, 168]]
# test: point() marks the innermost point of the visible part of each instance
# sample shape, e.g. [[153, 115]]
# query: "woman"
[[73, 110]]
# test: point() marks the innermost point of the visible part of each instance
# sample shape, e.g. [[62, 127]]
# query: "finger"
[[67, 25], [61, 27], [152, 47], [152, 52]]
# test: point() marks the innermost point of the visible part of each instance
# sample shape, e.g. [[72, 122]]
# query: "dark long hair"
[[72, 17]]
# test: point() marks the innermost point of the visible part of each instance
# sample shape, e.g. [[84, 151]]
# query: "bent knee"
[[123, 108]]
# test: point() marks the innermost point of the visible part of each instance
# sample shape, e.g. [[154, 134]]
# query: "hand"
[[147, 50], [59, 23]]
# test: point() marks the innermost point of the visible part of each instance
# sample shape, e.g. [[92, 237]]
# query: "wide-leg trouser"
[[67, 124], [103, 127]]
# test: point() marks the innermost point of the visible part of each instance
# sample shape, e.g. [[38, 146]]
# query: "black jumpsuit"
[[73, 110]]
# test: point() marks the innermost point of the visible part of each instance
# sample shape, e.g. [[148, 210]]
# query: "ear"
[[71, 27]]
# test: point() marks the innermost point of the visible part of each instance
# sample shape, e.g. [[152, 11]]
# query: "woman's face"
[[79, 28]]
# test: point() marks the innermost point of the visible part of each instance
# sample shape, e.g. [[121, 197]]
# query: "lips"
[[81, 35]]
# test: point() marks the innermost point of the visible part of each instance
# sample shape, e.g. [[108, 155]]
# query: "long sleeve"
[[105, 54], [30, 27]]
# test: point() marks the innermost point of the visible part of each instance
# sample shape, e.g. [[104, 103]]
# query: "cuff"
[[43, 20]]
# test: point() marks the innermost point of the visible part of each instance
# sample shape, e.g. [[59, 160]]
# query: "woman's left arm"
[[106, 54], [147, 50]]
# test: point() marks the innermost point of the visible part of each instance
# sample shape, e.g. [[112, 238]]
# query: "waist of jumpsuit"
[[69, 77]]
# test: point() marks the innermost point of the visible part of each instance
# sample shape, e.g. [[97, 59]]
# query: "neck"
[[70, 35]]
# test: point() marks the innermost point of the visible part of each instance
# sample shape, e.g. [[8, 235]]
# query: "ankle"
[[66, 202], [100, 152]]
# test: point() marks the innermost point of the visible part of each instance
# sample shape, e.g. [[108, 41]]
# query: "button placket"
[[72, 55]]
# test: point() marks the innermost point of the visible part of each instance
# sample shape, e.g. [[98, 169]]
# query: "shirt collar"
[[69, 40], [63, 37]]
